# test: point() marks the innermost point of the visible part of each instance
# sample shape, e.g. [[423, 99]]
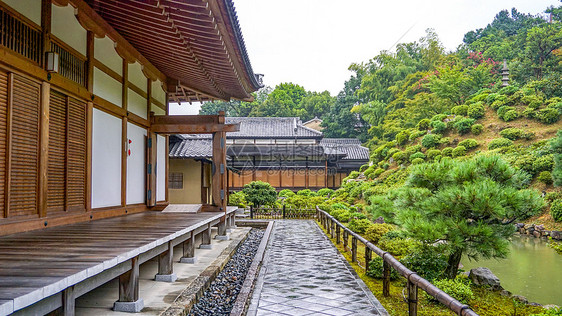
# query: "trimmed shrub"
[[375, 232], [469, 143], [428, 262], [476, 110], [237, 199], [432, 153], [556, 210], [548, 115], [423, 125], [412, 149], [391, 152], [529, 112], [416, 134], [430, 140], [417, 155], [508, 90], [260, 193], [359, 225], [459, 151], [417, 161], [363, 167], [456, 288], [402, 137], [447, 151], [499, 143], [306, 192], [445, 141], [460, 110], [375, 269], [476, 129], [545, 177], [325, 192], [543, 163], [463, 125], [516, 133], [439, 117], [378, 172], [438, 127], [357, 215], [400, 157], [510, 115], [503, 109], [368, 172], [286, 193], [397, 246]]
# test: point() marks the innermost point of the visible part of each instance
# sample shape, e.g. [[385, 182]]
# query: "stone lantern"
[[505, 74]]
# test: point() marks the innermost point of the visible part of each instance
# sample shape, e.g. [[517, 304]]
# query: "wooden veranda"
[[44, 270]]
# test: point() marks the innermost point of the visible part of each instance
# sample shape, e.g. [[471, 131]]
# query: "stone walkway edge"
[[304, 274], [188, 297]]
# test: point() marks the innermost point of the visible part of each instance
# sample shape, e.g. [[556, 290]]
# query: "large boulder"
[[483, 276]]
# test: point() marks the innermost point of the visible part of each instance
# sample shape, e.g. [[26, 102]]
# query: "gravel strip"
[[221, 295]]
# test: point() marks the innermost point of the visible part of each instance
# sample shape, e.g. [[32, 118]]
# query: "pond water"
[[532, 269]]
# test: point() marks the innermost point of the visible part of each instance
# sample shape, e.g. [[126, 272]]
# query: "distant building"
[[314, 124], [278, 150]]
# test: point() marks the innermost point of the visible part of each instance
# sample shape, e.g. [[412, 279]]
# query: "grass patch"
[[485, 303]]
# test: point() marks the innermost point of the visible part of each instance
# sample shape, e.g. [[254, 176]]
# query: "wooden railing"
[[19, 36], [336, 229], [73, 65], [281, 213]]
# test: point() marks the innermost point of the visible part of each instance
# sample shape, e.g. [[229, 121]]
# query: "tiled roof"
[[350, 146], [271, 127], [191, 148]]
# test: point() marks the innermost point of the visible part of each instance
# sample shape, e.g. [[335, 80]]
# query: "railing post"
[[385, 278], [345, 240], [251, 212], [283, 211], [353, 249], [412, 298], [368, 256], [337, 234], [333, 228]]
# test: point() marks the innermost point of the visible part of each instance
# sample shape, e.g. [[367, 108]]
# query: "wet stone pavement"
[[304, 274]]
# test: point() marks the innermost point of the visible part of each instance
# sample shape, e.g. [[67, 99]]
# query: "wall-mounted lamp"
[[52, 64]]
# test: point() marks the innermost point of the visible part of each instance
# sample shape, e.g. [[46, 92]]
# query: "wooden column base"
[[166, 265], [129, 300], [189, 250], [206, 238]]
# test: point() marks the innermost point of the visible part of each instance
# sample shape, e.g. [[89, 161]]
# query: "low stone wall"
[[538, 231]]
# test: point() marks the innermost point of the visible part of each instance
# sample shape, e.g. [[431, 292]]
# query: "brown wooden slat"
[[3, 135], [25, 147], [57, 152]]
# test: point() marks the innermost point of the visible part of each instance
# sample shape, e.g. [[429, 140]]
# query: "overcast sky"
[[313, 42]]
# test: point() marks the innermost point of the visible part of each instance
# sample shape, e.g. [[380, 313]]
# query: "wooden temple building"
[[278, 150], [84, 125]]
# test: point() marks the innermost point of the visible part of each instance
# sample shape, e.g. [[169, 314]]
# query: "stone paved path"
[[304, 274]]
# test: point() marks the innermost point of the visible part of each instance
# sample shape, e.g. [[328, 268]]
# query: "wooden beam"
[[68, 302], [89, 137], [9, 145], [45, 28], [90, 63], [185, 119], [194, 129], [44, 148]]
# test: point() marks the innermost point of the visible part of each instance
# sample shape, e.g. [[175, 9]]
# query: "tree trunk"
[[453, 264]]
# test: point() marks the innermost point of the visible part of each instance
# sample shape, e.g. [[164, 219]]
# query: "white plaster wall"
[[104, 51], [31, 9], [108, 88], [136, 76], [157, 92], [106, 160], [136, 165], [65, 26], [157, 110], [136, 104], [161, 168]]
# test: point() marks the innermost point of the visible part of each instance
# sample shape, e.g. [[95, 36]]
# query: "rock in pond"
[[483, 276]]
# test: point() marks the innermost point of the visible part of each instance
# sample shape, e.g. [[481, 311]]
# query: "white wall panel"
[[161, 168], [136, 104], [108, 88], [136, 165], [157, 92], [106, 160], [104, 51], [65, 26], [137, 77], [31, 9]]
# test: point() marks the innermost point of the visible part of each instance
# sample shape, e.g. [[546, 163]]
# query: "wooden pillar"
[[89, 121], [345, 240], [189, 250], [353, 249], [368, 257], [385, 278], [129, 300], [44, 149], [46, 15], [8, 176], [412, 298], [337, 234], [124, 161], [166, 265], [206, 238], [151, 170], [68, 302], [90, 63]]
